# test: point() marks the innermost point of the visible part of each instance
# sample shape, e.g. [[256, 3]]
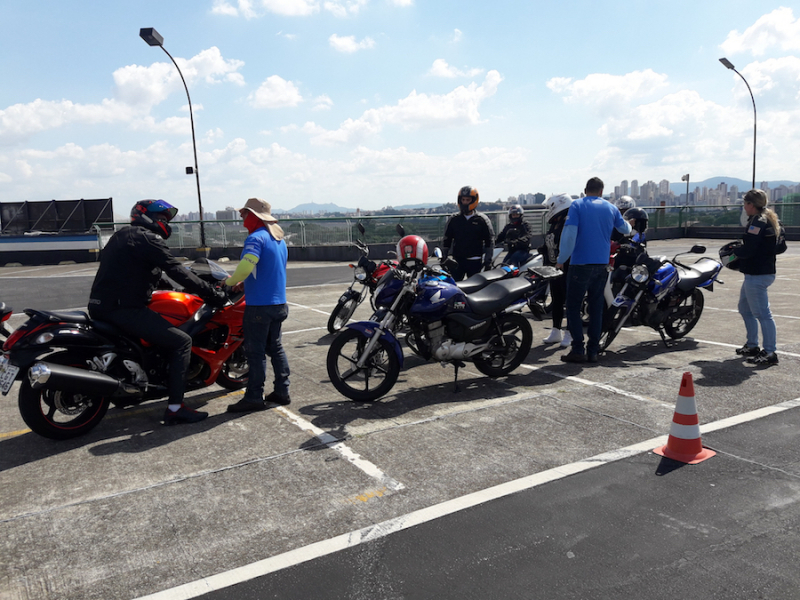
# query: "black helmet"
[[515, 212], [640, 218], [143, 211], [727, 257]]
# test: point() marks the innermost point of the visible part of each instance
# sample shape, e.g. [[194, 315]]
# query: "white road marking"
[[431, 513]]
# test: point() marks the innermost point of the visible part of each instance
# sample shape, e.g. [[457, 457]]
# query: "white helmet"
[[624, 203], [556, 205]]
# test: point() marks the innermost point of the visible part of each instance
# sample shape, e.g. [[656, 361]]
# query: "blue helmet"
[[143, 211]]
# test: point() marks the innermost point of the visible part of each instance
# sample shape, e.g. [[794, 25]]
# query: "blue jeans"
[[754, 308], [262, 338], [517, 257], [590, 281]]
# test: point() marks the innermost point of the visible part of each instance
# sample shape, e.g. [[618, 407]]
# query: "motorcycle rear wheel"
[[341, 314], [677, 326], [370, 382], [507, 353], [60, 415], [235, 371]]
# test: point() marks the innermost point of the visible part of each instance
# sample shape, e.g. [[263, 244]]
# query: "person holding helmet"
[[262, 270], [468, 236], [131, 264], [517, 236], [557, 208], [586, 241]]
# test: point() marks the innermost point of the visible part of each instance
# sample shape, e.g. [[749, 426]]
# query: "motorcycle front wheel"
[[235, 371], [367, 383], [685, 316], [505, 353], [57, 414], [342, 313], [610, 325]]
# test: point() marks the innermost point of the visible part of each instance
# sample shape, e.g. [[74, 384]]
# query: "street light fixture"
[[730, 66], [686, 179], [153, 38]]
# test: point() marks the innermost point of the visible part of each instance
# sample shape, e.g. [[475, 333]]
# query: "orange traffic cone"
[[684, 443]]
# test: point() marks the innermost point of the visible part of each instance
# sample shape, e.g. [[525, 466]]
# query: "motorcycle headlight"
[[360, 274], [640, 274]]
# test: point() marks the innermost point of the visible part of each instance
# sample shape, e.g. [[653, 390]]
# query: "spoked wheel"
[[610, 326], [342, 313], [686, 316], [235, 371], [367, 383], [506, 352], [57, 414]]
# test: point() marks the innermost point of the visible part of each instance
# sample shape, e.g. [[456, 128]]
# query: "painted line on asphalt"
[[322, 312], [431, 513], [339, 446]]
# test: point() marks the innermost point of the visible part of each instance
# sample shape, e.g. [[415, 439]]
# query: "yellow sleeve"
[[246, 266]]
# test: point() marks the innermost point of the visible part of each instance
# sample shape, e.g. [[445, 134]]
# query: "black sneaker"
[[246, 406], [763, 359], [277, 399], [748, 350], [183, 415], [573, 357]]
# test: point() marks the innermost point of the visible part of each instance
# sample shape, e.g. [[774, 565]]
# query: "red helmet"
[[412, 246]]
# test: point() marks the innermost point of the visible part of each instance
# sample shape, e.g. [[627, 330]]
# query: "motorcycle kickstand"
[[663, 337], [456, 387]]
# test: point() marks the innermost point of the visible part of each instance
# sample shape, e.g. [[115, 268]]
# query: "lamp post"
[[153, 38], [730, 66], [686, 179]]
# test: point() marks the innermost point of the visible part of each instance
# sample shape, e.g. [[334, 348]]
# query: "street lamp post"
[[153, 38], [686, 179], [730, 66]]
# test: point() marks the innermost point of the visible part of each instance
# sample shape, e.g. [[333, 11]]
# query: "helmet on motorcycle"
[[412, 246], [639, 215], [154, 215], [515, 213], [727, 257], [557, 205], [624, 203], [467, 199]]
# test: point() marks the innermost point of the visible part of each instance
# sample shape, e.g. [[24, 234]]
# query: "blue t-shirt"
[[590, 222], [266, 285]]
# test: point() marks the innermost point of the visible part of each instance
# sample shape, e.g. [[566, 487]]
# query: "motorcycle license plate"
[[8, 373]]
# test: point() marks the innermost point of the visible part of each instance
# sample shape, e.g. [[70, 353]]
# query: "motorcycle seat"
[[67, 316], [481, 280], [697, 274], [498, 295]]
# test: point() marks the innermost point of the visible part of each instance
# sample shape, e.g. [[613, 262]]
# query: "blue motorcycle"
[[443, 324], [662, 294]]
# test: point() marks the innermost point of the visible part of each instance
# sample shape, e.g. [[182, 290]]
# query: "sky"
[[375, 103]]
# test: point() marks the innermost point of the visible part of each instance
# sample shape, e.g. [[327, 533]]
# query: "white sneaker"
[[567, 341], [554, 337]]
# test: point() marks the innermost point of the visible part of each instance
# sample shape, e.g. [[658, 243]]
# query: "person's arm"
[[752, 239], [488, 243], [567, 245], [243, 270], [447, 238]]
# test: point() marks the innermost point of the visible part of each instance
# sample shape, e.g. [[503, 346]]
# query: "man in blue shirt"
[[262, 268], [586, 243]]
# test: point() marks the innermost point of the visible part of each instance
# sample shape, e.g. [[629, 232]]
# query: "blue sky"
[[371, 103]]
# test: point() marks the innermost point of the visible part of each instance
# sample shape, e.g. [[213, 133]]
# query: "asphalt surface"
[[538, 485]]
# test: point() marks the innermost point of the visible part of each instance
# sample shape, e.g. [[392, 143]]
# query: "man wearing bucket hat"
[[262, 268]]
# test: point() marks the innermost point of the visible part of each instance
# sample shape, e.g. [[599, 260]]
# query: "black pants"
[[558, 295], [155, 329], [466, 267]]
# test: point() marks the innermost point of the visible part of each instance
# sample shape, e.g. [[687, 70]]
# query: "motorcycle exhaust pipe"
[[43, 375]]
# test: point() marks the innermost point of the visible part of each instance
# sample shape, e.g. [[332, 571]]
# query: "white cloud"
[[778, 28], [275, 92], [322, 103], [403, 2], [459, 107], [609, 93], [440, 68], [457, 35], [344, 9], [250, 9], [349, 45]]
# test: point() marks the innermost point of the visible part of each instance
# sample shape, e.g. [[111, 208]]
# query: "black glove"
[[216, 297]]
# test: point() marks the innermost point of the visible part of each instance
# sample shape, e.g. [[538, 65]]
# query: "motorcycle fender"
[[350, 294], [368, 328]]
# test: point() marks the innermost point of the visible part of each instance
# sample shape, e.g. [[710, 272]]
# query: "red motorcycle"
[[5, 315], [72, 367]]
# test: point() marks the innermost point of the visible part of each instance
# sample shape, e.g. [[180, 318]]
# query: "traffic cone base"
[[683, 443]]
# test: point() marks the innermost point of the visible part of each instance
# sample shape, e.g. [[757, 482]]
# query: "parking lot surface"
[[135, 508]]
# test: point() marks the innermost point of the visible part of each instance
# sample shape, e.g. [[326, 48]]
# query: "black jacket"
[[517, 236], [756, 256], [130, 267], [465, 238]]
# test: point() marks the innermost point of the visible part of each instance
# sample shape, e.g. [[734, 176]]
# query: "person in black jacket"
[[557, 208], [131, 264], [755, 258], [517, 237], [468, 236]]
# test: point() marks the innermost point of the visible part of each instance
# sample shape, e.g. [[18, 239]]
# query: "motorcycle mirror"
[[698, 249], [361, 229], [391, 253], [437, 253], [400, 230]]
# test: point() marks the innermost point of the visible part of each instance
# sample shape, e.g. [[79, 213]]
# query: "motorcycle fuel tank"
[[664, 280], [437, 298], [175, 307]]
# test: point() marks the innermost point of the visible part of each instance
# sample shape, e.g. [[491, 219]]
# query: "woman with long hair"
[[756, 260]]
